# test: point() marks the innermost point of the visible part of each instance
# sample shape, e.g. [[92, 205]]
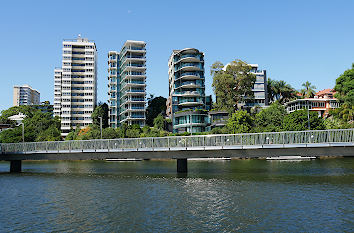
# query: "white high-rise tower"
[[75, 84]]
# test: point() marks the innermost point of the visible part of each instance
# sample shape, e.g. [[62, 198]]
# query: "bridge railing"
[[222, 141]]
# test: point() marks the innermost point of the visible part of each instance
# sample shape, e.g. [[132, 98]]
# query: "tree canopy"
[[270, 119], [280, 91], [240, 122], [345, 94], [38, 126], [101, 111], [309, 90], [232, 85], [155, 107], [298, 121]]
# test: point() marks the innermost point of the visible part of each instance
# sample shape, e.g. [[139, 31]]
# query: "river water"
[[148, 196]]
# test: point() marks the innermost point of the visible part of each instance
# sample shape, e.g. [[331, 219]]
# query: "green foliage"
[[159, 122], [155, 107], [11, 135], [309, 90], [219, 130], [233, 85], [180, 134], [51, 134], [101, 111], [109, 133], [280, 91], [270, 119], [38, 126], [25, 109], [345, 94], [333, 123], [298, 121], [133, 131], [239, 122]]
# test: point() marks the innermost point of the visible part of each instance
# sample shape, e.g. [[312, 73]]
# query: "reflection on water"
[[148, 196]]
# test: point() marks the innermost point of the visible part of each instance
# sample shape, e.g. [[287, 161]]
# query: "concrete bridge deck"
[[257, 145]]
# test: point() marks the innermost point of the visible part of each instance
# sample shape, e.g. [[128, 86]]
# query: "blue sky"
[[294, 41]]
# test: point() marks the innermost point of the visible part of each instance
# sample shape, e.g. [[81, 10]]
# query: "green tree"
[[38, 126], [50, 134], [133, 131], [239, 122], [345, 94], [109, 133], [298, 121], [155, 107], [101, 111], [232, 85], [280, 91], [11, 135], [25, 109], [270, 119], [309, 90], [159, 122]]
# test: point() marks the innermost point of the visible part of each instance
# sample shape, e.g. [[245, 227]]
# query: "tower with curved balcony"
[[186, 104], [127, 84]]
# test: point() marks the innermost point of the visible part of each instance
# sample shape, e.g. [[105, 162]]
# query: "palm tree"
[[280, 91], [309, 90]]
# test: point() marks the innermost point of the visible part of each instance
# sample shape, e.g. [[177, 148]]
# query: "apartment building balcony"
[[130, 85], [176, 126], [133, 58], [189, 58], [188, 93], [132, 101], [188, 85], [132, 118], [132, 109], [135, 92], [189, 67], [133, 75], [189, 76], [133, 67], [133, 49], [185, 103], [76, 55]]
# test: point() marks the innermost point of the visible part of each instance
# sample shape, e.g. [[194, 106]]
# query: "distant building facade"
[[187, 103], [25, 95], [127, 84], [75, 84], [259, 88], [322, 103]]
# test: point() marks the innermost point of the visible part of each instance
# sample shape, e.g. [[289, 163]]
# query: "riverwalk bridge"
[[339, 142]]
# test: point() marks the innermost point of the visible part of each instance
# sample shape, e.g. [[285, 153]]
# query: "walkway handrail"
[[191, 142]]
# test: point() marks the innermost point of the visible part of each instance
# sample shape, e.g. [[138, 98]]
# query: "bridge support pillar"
[[182, 166], [15, 165]]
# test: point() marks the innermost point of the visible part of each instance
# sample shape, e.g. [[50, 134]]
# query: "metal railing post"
[[109, 143], [152, 144]]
